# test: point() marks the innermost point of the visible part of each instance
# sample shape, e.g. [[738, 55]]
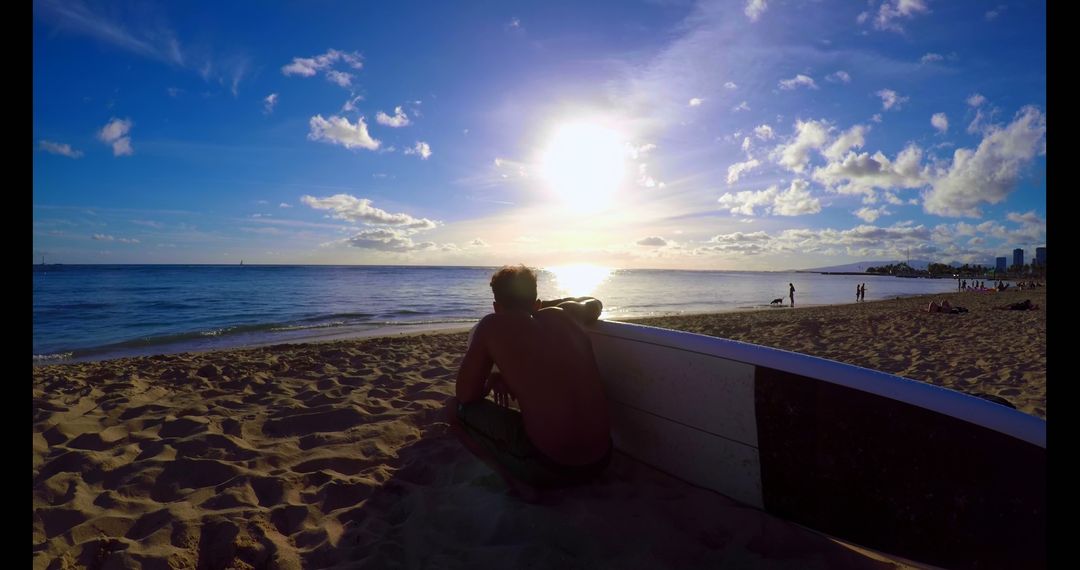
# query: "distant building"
[[1040, 256], [1018, 257], [1001, 264]]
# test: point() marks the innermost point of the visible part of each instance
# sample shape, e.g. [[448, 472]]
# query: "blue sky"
[[749, 134]]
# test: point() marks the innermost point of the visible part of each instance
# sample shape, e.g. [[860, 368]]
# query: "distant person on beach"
[[545, 361], [1025, 305], [944, 307], [858, 292], [862, 294], [791, 293]]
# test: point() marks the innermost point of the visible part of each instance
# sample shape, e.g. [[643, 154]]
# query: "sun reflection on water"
[[579, 280]]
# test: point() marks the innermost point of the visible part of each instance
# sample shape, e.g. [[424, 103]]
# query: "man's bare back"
[[547, 363]]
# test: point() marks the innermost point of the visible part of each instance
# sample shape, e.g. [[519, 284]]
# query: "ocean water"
[[105, 311]]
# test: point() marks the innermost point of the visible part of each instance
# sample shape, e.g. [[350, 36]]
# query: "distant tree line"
[[965, 270]]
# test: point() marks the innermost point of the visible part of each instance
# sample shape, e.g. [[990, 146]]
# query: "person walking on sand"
[[791, 294], [858, 292], [862, 293], [545, 361]]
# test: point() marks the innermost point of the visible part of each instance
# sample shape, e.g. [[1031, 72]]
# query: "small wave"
[[425, 322], [306, 327], [57, 356]]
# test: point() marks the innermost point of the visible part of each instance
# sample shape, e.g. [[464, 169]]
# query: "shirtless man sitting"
[[545, 362]]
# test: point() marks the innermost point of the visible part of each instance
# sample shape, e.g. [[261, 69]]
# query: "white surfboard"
[[901, 466]]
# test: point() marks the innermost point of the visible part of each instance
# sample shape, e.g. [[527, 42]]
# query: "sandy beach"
[[1002, 353], [336, 454]]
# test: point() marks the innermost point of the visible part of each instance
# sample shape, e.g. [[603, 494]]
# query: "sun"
[[584, 163]]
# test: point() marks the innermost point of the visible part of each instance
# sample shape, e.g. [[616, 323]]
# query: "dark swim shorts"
[[502, 432]]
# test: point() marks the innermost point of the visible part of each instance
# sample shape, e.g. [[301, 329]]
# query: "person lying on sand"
[[944, 307], [545, 360], [1025, 305]]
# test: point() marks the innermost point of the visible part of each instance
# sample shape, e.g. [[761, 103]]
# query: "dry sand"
[[336, 455]]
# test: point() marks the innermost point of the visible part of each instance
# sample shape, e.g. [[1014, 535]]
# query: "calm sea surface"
[[105, 311]]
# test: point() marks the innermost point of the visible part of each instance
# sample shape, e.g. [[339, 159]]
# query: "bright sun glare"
[[584, 164], [579, 280]]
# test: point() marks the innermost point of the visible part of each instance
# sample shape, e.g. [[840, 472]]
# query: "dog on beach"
[[779, 301]]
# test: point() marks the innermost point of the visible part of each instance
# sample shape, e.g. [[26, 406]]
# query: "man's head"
[[514, 288]]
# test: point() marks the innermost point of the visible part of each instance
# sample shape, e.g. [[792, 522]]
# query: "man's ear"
[[495, 306]]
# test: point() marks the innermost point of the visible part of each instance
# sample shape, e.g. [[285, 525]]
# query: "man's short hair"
[[514, 287]]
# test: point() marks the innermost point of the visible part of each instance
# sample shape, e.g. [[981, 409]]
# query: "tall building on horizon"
[[1018, 257], [1001, 264], [1040, 256]]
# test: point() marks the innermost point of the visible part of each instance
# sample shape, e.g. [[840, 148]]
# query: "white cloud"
[[62, 149], [809, 135], [931, 58], [764, 132], [284, 205], [636, 152], [515, 23], [876, 118], [975, 100], [652, 241], [644, 179], [746, 144], [1028, 218], [794, 201], [353, 209], [730, 85], [862, 173], [350, 105], [746, 202], [269, 103], [737, 242], [741, 107], [890, 99], [105, 237], [839, 76], [306, 67], [891, 11], [696, 102], [977, 124], [736, 170], [338, 130], [420, 148], [755, 8], [940, 122], [989, 173], [400, 119], [799, 80], [341, 78], [478, 243], [869, 215], [993, 14], [387, 239], [852, 138], [115, 134]]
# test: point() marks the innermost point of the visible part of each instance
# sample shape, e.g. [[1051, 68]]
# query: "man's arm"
[[557, 302], [476, 365], [584, 312]]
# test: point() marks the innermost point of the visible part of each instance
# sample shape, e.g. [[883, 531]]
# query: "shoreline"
[[357, 332]]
